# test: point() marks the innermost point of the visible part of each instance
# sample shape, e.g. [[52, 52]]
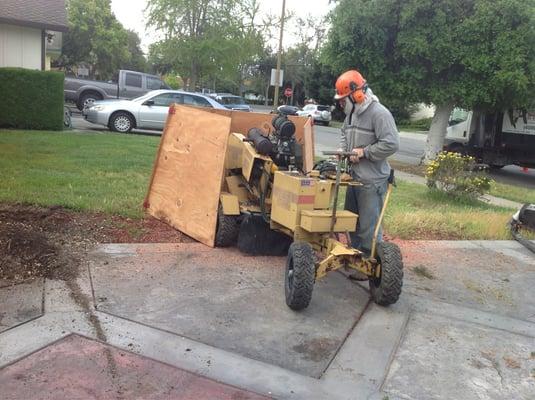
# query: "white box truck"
[[496, 139]]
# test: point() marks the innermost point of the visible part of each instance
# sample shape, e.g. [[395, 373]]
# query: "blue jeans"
[[367, 202]]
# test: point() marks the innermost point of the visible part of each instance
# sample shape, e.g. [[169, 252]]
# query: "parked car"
[[286, 110], [128, 85], [231, 101], [145, 112], [320, 114]]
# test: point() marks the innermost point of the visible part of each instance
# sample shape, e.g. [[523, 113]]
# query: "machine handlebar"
[[338, 153]]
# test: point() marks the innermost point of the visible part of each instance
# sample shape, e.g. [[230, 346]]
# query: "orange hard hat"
[[351, 83]]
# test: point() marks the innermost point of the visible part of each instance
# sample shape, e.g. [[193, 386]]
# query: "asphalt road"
[[411, 150]]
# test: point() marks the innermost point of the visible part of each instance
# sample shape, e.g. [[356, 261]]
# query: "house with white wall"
[[31, 32]]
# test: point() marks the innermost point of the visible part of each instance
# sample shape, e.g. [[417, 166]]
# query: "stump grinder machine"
[[269, 205]]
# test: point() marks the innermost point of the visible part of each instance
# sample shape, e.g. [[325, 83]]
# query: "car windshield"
[[231, 100], [323, 108]]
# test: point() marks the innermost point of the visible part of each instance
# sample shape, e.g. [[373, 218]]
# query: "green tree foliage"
[[364, 36], [207, 42], [321, 83], [97, 39], [136, 60], [469, 53]]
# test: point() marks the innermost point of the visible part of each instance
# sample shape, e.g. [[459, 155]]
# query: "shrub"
[[457, 175], [31, 99], [174, 81]]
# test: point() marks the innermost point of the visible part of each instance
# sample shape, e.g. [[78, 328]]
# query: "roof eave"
[[37, 25]]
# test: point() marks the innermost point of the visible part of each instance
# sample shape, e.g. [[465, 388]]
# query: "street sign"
[[288, 92], [273, 76]]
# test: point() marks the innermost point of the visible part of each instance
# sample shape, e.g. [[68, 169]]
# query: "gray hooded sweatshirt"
[[372, 127]]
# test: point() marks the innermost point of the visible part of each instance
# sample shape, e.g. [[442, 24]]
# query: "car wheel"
[[121, 122], [86, 100]]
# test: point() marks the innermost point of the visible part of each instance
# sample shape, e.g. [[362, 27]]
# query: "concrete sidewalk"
[[183, 321]]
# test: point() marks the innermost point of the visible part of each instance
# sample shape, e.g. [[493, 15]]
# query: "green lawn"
[[83, 171], [417, 213], [110, 173]]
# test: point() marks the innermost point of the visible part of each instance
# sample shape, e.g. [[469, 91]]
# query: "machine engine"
[[280, 145]]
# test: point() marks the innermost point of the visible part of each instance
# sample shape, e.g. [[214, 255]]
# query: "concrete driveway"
[[184, 321]]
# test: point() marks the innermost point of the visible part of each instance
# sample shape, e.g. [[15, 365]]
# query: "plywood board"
[[188, 173]]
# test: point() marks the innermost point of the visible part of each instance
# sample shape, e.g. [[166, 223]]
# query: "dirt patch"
[[38, 242]]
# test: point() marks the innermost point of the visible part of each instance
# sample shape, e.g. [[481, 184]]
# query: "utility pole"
[[278, 70]]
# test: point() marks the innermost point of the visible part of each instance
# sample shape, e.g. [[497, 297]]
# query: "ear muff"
[[358, 94]]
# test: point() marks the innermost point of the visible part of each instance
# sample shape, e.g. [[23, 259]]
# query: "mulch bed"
[[50, 242]]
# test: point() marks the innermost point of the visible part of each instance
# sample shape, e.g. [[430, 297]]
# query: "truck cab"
[[493, 138]]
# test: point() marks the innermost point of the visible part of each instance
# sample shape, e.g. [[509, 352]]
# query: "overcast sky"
[[130, 14]]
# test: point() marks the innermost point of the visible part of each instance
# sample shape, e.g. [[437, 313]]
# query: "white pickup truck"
[[128, 85], [497, 139]]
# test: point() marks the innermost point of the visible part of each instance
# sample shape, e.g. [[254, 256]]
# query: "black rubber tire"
[[457, 148], [126, 126], [300, 275], [386, 289], [85, 97], [496, 167], [227, 230]]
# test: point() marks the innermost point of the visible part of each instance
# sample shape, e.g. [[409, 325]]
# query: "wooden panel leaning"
[[188, 172]]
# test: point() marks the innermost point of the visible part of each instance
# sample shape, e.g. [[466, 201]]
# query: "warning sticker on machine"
[[519, 121], [307, 182]]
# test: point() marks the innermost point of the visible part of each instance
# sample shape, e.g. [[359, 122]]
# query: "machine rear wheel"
[[386, 289], [300, 275], [227, 229]]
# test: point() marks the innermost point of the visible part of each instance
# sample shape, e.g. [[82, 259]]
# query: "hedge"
[[31, 99]]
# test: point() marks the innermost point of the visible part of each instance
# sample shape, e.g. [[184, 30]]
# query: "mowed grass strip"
[[418, 213], [82, 171]]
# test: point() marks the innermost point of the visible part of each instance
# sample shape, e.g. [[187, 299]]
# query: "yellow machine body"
[[292, 193], [299, 205]]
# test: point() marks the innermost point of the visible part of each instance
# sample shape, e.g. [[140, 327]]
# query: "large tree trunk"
[[194, 76], [437, 132]]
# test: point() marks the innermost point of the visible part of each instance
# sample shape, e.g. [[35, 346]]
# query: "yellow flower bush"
[[457, 175]]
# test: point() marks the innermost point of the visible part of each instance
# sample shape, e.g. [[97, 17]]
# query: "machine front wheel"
[[227, 229], [300, 275], [386, 289]]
